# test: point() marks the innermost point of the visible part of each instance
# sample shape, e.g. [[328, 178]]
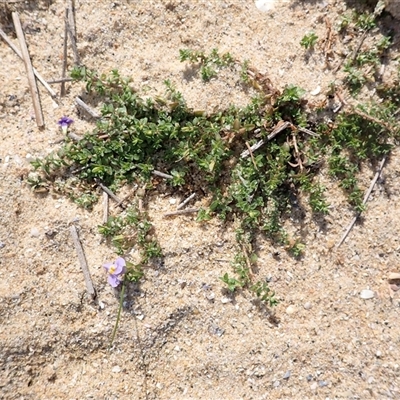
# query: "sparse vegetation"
[[309, 40], [137, 135]]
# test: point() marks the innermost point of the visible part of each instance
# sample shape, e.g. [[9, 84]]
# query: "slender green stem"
[[121, 299]]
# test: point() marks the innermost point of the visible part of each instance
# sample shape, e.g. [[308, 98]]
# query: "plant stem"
[[121, 299]]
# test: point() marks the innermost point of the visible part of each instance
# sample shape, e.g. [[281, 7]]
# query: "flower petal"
[[120, 262], [65, 121], [120, 266], [107, 266], [113, 280]]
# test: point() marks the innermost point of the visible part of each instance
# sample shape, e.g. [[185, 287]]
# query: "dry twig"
[[366, 197], [358, 47], [162, 174], [105, 207], [29, 70], [373, 119], [280, 126], [82, 260], [19, 54], [80, 103], [363, 114], [328, 42], [247, 259], [183, 204], [141, 192], [297, 153], [111, 194], [251, 155], [305, 130], [52, 82], [65, 54], [73, 45], [71, 6], [74, 137], [71, 28], [180, 212]]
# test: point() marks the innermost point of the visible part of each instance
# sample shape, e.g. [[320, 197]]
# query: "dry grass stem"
[[29, 70], [111, 194], [19, 54], [181, 212], [183, 204], [251, 155], [162, 174], [80, 103], [280, 126], [82, 260], [105, 207], [65, 54], [366, 197], [54, 81]]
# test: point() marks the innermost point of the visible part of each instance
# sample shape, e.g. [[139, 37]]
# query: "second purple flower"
[[65, 122], [115, 271]]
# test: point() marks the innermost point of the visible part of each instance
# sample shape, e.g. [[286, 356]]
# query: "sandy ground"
[[181, 336]]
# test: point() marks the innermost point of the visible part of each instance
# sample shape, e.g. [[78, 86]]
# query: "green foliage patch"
[[137, 135]]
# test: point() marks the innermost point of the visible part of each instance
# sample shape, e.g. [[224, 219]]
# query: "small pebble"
[[35, 232], [291, 310], [216, 330], [394, 287], [309, 377], [316, 91], [182, 283], [367, 294], [172, 201], [210, 296], [314, 386], [276, 384], [116, 369], [50, 233], [307, 306], [378, 354], [322, 383], [394, 276], [264, 5], [18, 160], [287, 375], [225, 300]]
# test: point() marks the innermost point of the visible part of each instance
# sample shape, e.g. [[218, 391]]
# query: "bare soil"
[[181, 336]]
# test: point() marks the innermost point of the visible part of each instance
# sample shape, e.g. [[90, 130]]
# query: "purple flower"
[[115, 271], [65, 122]]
